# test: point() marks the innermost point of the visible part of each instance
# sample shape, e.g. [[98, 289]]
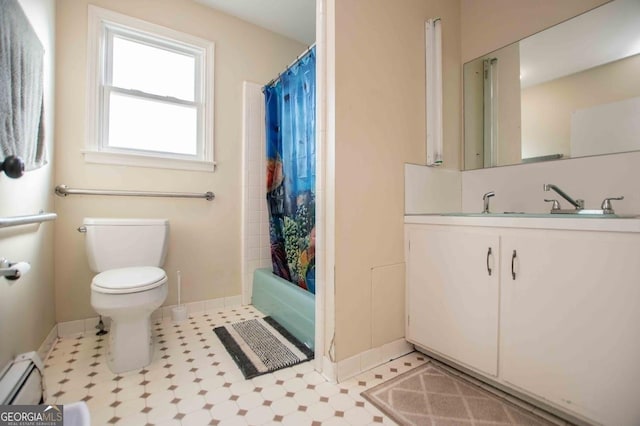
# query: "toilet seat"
[[128, 280]]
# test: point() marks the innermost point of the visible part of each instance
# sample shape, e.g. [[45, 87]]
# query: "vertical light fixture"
[[433, 33]]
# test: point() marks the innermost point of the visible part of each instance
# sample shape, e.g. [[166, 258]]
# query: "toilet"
[[130, 284]]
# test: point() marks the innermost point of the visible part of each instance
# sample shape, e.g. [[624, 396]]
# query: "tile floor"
[[193, 381]]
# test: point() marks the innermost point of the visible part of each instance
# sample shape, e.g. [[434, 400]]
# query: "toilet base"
[[130, 344]]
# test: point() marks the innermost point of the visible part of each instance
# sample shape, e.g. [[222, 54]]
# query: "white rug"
[[260, 346]]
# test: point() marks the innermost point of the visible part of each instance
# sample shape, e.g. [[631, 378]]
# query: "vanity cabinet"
[[452, 298], [558, 322], [570, 320]]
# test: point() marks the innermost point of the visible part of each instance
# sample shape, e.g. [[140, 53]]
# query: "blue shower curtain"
[[291, 171]]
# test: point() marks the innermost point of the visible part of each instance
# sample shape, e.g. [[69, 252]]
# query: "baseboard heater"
[[21, 381]]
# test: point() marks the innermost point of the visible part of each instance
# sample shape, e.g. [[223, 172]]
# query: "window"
[[150, 97]]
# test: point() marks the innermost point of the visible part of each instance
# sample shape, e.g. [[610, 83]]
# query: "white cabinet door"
[[570, 320], [451, 298]]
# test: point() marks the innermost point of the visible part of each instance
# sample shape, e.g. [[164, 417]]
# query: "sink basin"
[[505, 214], [586, 214], [568, 221]]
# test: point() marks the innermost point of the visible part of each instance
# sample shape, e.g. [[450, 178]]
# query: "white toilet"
[[127, 253]]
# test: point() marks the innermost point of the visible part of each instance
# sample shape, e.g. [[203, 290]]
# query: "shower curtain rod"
[[290, 65]]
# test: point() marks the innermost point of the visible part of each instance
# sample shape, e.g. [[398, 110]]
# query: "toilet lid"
[[128, 280]]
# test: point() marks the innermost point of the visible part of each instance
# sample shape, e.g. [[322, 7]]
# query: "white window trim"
[[93, 152]]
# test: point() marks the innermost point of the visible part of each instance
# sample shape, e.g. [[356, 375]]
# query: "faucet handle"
[[607, 207], [555, 206]]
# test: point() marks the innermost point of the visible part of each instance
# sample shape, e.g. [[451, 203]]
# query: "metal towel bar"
[[6, 222], [64, 190]]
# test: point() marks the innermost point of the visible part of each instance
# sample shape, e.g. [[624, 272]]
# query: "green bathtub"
[[293, 307]]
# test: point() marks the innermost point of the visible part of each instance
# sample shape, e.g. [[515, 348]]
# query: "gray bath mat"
[[260, 346], [430, 395]]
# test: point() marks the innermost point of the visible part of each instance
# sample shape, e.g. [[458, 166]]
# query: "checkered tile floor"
[[193, 381]]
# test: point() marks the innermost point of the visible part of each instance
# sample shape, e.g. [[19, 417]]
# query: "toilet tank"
[[122, 243]]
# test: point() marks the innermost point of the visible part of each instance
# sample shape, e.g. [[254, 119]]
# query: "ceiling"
[[295, 19], [606, 34]]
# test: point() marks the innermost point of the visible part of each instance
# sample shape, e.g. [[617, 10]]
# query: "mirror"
[[569, 91]]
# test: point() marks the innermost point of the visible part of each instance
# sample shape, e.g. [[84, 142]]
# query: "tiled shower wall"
[[255, 218]]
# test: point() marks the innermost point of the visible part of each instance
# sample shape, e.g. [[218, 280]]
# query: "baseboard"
[[47, 344], [352, 366], [88, 325], [329, 370], [83, 326], [203, 306]]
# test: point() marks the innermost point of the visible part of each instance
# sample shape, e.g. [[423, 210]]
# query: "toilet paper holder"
[[13, 270]]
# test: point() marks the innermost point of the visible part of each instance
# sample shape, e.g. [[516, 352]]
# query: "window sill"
[[135, 160]]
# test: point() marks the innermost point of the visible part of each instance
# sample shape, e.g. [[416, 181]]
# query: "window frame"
[[103, 26]]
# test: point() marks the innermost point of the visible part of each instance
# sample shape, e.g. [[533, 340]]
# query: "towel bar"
[[6, 222]]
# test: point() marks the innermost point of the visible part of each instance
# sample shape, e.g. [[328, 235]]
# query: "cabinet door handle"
[[488, 267], [513, 260]]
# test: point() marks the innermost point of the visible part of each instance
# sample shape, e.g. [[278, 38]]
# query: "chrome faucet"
[[578, 204], [485, 199]]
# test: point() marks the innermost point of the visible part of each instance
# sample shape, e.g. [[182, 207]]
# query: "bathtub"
[[291, 306]]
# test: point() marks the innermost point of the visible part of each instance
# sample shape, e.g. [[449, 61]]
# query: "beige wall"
[[547, 107], [27, 312], [380, 125], [205, 236]]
